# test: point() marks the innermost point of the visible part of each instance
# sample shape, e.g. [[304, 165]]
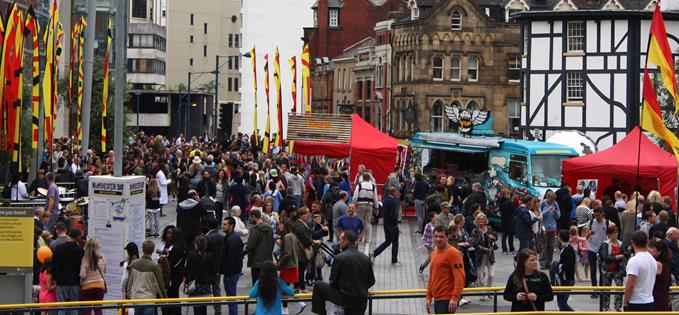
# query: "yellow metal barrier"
[[305, 296]]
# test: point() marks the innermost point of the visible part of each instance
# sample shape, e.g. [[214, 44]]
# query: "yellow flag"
[[104, 101]]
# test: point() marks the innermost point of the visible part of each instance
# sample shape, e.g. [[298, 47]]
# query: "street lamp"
[[137, 96]]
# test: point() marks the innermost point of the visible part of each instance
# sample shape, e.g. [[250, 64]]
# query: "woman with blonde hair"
[[583, 213], [483, 239], [654, 201], [628, 222], [92, 270]]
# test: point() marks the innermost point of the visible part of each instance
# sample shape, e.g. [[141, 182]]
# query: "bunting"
[[660, 54], [651, 117], [81, 81], [104, 101], [293, 68], [52, 52], [266, 146], [12, 57], [33, 27], [306, 82], [253, 56], [279, 101]]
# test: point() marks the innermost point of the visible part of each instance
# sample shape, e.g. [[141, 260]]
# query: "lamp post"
[[137, 96]]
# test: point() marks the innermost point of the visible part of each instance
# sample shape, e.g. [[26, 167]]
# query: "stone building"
[[454, 52]]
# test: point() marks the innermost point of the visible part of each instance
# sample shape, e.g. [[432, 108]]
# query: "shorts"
[[290, 275], [583, 259]]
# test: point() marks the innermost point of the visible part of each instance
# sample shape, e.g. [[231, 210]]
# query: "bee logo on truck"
[[466, 119]]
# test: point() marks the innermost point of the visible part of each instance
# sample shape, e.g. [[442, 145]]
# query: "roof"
[[351, 50], [460, 143], [331, 3], [538, 147], [580, 14]]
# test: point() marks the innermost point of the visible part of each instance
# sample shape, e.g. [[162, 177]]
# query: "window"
[[379, 76], [236, 40], [145, 66], [513, 114], [230, 40], [139, 9], [576, 35], [164, 13], [452, 126], [473, 69], [204, 50], [333, 20], [315, 17], [191, 18], [437, 117], [510, 12], [525, 39], [368, 88], [514, 71], [456, 20], [204, 28], [236, 86], [230, 62], [518, 170], [191, 39], [455, 66], [236, 61], [574, 87], [190, 61], [438, 68], [359, 89], [229, 85]]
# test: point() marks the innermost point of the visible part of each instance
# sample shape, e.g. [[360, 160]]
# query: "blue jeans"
[[230, 283], [441, 307], [68, 293], [145, 311], [298, 200], [524, 243], [507, 241], [562, 299]]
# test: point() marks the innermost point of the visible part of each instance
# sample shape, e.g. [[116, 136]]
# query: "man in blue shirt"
[[550, 214], [351, 222]]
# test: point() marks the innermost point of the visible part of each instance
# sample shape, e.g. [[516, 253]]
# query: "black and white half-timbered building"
[[582, 63]]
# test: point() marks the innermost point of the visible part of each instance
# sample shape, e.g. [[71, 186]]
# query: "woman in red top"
[[612, 256], [661, 252]]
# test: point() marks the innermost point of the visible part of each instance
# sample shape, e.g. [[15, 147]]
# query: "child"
[[318, 231], [428, 239], [580, 244], [48, 287]]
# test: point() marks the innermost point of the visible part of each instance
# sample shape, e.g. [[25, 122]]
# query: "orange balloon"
[[43, 253]]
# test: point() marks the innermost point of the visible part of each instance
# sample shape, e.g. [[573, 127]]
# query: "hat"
[[274, 173], [196, 160], [445, 204], [131, 246]]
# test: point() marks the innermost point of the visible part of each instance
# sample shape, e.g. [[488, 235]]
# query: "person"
[[583, 213], [288, 259], [259, 247], [66, 269], [648, 221], [524, 222], [507, 221], [527, 288], [39, 182], [176, 258], [350, 222], [269, 290], [189, 214], [215, 239], [339, 209], [628, 222], [351, 276], [565, 202], [435, 199], [92, 270], [580, 244], [641, 271], [428, 240], [18, 190], [447, 275], [566, 268], [365, 198], [200, 270], [550, 216], [52, 201], [612, 256], [445, 217], [206, 187], [597, 235], [240, 228], [146, 280], [661, 289], [131, 254], [239, 194], [390, 208], [48, 287], [476, 197], [221, 191], [660, 227], [231, 260], [153, 206], [484, 242], [296, 182], [420, 189], [671, 238], [318, 232], [163, 182], [610, 211], [61, 233], [303, 234]]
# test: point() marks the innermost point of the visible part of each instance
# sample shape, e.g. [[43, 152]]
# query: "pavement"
[[405, 276]]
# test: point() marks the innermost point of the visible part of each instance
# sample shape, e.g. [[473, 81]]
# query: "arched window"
[[400, 69], [437, 116], [438, 68], [472, 106], [456, 20], [412, 68], [455, 68], [452, 126], [473, 69]]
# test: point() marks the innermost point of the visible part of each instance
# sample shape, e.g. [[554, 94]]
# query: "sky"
[[267, 24]]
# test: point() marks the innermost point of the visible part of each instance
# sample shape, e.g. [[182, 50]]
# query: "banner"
[[81, 81], [49, 88], [279, 100], [266, 146], [104, 101], [253, 56], [293, 68], [306, 82], [12, 59], [660, 54], [33, 28]]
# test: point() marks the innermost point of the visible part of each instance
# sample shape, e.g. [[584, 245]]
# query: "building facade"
[[583, 68], [146, 46], [453, 53]]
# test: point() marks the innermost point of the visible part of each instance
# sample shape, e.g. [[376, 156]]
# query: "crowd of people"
[[294, 216]]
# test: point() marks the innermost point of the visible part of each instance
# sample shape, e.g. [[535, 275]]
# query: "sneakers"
[[464, 302], [483, 299], [302, 306], [396, 264], [421, 269], [285, 311], [372, 258]]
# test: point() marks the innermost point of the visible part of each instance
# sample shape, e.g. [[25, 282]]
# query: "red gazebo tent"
[[367, 145], [656, 167]]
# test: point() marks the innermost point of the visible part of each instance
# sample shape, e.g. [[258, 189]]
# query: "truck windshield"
[[546, 170]]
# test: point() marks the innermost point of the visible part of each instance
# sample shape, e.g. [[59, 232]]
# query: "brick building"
[[339, 24], [454, 52]]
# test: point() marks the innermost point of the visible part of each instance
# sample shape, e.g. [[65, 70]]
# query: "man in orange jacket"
[[446, 279]]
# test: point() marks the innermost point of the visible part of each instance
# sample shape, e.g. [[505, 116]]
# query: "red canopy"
[[657, 168], [368, 146]]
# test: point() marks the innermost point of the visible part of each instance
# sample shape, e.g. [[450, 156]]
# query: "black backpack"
[[435, 205]]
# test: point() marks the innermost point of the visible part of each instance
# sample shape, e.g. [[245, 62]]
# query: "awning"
[[454, 142]]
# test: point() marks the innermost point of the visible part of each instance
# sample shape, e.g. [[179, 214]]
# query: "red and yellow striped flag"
[[293, 68], [253, 56], [651, 117], [49, 88], [33, 27], [279, 100], [12, 59], [104, 101], [660, 54], [266, 144], [74, 55], [81, 80], [306, 79]]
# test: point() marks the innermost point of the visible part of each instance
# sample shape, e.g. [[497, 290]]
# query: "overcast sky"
[[267, 24]]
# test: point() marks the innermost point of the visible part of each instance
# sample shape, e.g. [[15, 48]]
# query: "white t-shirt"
[[643, 266]]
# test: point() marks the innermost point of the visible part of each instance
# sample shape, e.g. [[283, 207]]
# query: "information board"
[[16, 237]]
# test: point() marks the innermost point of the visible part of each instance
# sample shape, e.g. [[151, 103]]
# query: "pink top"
[[46, 295], [579, 244], [92, 278]]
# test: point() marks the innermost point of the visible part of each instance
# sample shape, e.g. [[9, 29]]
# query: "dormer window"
[[333, 20], [456, 20], [414, 10]]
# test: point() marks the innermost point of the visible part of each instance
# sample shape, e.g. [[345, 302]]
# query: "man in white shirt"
[[641, 272], [18, 190]]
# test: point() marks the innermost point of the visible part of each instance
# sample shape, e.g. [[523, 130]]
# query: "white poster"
[[112, 240], [592, 184]]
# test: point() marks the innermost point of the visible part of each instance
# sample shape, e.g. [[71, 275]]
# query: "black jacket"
[[66, 263], [476, 197], [303, 234], [352, 273], [189, 213], [611, 214], [565, 202], [259, 247], [215, 238], [567, 262], [390, 210], [206, 188], [537, 283], [201, 268], [508, 218], [231, 258], [674, 264]]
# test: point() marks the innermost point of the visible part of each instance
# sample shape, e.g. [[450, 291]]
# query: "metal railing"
[[246, 301]]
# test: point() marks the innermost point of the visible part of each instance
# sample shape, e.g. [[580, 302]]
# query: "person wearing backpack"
[[365, 198], [612, 256], [434, 200], [597, 235], [329, 198]]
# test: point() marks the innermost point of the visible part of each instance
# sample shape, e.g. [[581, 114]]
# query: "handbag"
[[102, 278], [309, 252], [190, 287], [525, 288]]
